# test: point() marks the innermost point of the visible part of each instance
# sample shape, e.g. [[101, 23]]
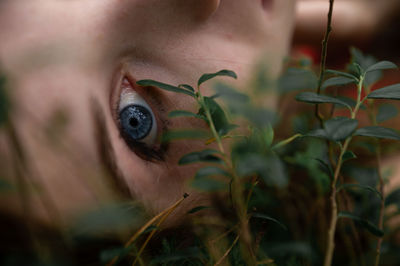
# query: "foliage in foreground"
[[275, 201]]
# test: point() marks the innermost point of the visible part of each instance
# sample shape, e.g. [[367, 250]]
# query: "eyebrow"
[[106, 153]]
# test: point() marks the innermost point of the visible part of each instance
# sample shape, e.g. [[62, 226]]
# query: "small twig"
[[323, 58], [227, 252], [144, 227]]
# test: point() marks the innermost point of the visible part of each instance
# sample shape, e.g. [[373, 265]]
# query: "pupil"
[[133, 122]]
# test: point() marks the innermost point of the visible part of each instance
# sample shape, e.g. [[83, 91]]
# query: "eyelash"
[[155, 152]]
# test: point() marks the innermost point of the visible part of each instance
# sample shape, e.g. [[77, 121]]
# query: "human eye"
[[138, 123], [137, 120]]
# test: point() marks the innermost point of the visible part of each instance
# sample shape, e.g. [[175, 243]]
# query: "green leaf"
[[373, 229], [312, 97], [211, 171], [295, 79], [184, 134], [218, 116], [337, 81], [186, 86], [343, 74], [268, 218], [224, 72], [335, 129], [198, 208], [386, 112], [389, 92], [183, 113], [109, 218], [348, 155], [339, 128], [208, 184], [382, 65], [377, 132], [164, 86], [368, 188], [207, 155]]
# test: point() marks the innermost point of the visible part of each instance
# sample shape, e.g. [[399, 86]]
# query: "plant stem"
[[211, 123], [323, 57], [240, 205], [334, 212]]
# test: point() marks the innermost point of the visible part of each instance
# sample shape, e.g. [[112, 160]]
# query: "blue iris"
[[136, 121]]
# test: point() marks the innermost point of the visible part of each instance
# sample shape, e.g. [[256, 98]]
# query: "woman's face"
[[71, 69]]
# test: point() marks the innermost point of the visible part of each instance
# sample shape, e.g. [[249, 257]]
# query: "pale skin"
[[61, 56], [73, 57]]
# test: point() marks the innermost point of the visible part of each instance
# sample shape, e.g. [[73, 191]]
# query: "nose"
[[201, 10]]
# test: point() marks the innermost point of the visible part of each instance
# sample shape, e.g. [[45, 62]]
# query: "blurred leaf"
[[270, 168], [211, 171], [208, 184], [348, 155], [377, 132], [184, 134], [207, 155], [198, 208], [268, 134], [4, 101], [369, 188], [186, 86], [337, 81], [268, 218], [358, 57], [230, 95], [373, 229], [224, 72], [5, 185], [109, 219], [390, 92], [164, 86], [183, 113], [382, 65], [386, 112], [312, 97], [335, 129], [393, 198], [361, 62], [260, 117], [343, 74], [295, 79]]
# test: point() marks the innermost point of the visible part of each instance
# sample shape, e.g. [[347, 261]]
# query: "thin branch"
[[323, 57]]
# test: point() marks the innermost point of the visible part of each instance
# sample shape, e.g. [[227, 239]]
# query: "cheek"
[[54, 125]]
